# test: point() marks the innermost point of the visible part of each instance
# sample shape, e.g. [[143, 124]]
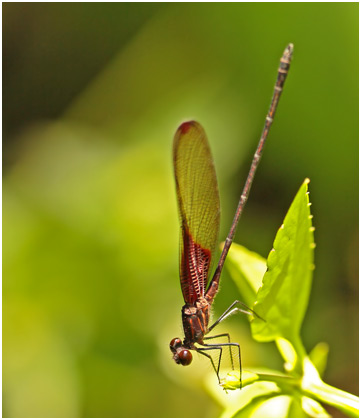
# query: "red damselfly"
[[199, 209]]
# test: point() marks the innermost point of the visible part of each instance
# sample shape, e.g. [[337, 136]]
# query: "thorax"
[[195, 318]]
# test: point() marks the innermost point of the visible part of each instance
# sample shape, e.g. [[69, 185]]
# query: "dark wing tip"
[[185, 127]]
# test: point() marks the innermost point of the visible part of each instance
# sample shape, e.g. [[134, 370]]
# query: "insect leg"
[[229, 341], [232, 309], [202, 351], [219, 346]]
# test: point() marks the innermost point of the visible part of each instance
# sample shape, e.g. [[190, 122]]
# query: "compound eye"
[[185, 357], [176, 342]]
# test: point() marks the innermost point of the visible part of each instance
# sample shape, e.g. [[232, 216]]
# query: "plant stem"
[[344, 401], [317, 390]]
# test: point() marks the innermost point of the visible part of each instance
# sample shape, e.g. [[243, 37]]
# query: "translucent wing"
[[199, 209]]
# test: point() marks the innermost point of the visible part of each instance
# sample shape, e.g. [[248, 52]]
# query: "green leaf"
[[247, 269], [231, 381], [313, 387], [314, 408], [295, 410], [283, 297], [318, 356], [263, 404], [250, 398], [289, 353], [277, 406]]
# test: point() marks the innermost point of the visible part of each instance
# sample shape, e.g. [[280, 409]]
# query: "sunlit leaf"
[[277, 406], [318, 356], [283, 297], [295, 409], [250, 409], [231, 381], [314, 408], [288, 353], [252, 396], [247, 269]]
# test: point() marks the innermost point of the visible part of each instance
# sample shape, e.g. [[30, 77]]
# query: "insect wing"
[[199, 208]]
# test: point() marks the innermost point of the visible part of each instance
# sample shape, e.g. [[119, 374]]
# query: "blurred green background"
[[92, 96]]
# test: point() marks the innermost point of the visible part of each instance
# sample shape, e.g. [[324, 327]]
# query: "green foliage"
[[282, 301], [93, 94], [283, 297]]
